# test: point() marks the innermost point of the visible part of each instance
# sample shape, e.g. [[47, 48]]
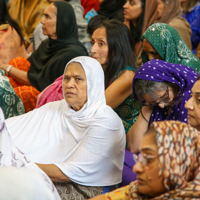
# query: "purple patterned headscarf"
[[183, 76]]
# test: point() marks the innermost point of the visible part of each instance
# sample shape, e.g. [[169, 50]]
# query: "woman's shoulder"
[[127, 73], [130, 68], [183, 28], [180, 23]]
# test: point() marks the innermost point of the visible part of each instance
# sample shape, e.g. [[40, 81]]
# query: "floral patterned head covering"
[[168, 43], [179, 156]]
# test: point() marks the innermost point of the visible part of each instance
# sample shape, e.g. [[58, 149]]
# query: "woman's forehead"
[[75, 67], [148, 143]]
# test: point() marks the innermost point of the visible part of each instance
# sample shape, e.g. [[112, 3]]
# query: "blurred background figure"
[[113, 9], [89, 5], [191, 12], [138, 16], [83, 37], [27, 14], [11, 38], [169, 12]]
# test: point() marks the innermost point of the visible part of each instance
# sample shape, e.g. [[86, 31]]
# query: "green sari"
[[168, 43], [129, 110], [10, 103]]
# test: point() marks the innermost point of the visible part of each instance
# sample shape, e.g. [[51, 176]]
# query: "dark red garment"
[[89, 4]]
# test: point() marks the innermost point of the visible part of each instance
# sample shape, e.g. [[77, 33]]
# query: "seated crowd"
[[100, 99]]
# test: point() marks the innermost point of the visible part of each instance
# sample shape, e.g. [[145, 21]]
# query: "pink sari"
[[51, 93]]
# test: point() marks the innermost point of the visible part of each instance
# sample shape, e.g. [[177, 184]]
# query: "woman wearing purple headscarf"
[[162, 89]]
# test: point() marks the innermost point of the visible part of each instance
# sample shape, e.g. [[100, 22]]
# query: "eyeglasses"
[[144, 103], [144, 159]]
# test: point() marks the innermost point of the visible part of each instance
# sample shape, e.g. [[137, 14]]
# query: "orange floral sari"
[[28, 94]]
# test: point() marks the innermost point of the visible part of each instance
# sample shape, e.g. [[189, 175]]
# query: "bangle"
[[8, 69]]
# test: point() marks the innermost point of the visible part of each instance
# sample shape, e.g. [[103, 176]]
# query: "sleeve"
[[121, 193], [98, 159]]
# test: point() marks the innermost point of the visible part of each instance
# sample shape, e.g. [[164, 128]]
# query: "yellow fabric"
[[119, 194], [27, 13]]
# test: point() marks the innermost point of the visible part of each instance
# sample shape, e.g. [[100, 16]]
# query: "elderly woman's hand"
[[4, 66]]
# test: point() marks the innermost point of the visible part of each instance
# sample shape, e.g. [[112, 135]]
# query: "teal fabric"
[[168, 43], [129, 110], [10, 103]]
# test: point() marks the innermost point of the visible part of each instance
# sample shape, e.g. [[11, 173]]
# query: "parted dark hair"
[[120, 49], [136, 31], [5, 18], [95, 22]]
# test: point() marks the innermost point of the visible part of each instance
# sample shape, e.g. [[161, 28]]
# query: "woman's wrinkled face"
[[99, 48], [75, 86], [164, 98], [193, 106], [132, 9], [147, 168], [49, 21], [150, 50], [160, 8]]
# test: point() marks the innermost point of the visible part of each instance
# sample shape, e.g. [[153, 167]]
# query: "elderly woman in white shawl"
[[78, 140]]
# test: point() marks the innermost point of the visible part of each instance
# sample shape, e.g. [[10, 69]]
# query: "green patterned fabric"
[[129, 110], [168, 43], [10, 103]]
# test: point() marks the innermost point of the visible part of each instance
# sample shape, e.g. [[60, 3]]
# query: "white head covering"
[[22, 184], [87, 145]]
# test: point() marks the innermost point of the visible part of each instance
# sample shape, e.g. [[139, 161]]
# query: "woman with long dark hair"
[[138, 18], [113, 9]]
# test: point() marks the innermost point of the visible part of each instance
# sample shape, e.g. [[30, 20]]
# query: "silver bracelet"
[[8, 69]]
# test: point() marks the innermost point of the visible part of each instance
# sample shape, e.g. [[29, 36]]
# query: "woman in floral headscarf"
[[168, 165], [160, 41]]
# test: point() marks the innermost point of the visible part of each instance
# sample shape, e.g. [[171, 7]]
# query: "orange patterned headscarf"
[[179, 155]]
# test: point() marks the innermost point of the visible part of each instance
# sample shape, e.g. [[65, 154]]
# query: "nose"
[[189, 105], [70, 83], [125, 5], [42, 20], [161, 105], [94, 48], [150, 57], [137, 168]]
